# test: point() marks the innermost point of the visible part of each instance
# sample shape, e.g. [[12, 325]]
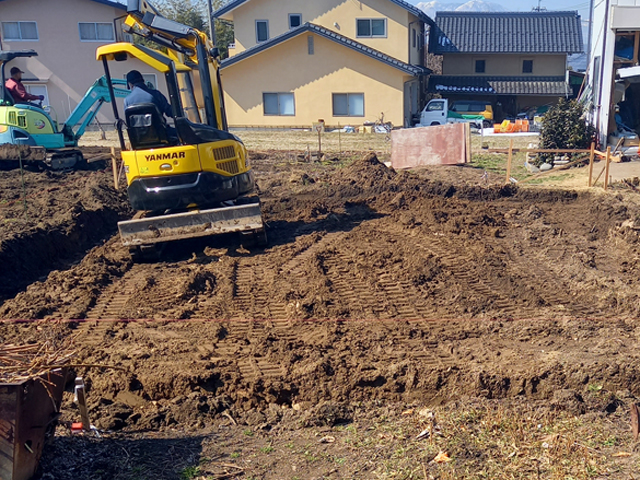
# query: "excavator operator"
[[18, 91], [140, 93]]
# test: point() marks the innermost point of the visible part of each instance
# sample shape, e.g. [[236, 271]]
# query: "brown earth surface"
[[509, 313]]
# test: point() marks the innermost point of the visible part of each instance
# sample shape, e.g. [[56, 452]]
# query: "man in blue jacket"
[[140, 93]]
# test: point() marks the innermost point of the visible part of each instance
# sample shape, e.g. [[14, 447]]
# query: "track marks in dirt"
[[117, 300], [111, 302]]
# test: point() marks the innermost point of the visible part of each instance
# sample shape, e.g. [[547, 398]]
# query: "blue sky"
[[526, 5]]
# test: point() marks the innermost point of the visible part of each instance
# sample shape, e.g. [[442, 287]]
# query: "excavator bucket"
[[197, 223]]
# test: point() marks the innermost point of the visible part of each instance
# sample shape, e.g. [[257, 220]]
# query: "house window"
[[310, 45], [371, 27], [295, 20], [96, 32], [480, 66], [596, 81], [348, 104], [262, 30], [21, 31], [527, 66], [279, 104]]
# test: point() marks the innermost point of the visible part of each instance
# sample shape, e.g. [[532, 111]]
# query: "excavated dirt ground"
[[380, 293]]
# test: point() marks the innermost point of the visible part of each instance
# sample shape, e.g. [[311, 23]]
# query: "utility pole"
[[539, 8], [212, 28], [589, 35]]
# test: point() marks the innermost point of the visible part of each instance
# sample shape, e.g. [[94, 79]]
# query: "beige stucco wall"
[[543, 65], [66, 65], [327, 13], [332, 69]]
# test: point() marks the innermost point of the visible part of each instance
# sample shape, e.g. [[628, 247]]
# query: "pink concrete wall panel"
[[437, 145]]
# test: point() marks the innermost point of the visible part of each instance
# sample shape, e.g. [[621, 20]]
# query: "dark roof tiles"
[[519, 85], [233, 4], [507, 32]]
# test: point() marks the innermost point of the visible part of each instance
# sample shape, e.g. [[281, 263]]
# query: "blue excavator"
[[29, 134]]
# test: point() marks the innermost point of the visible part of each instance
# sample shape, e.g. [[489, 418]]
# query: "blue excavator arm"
[[89, 106]]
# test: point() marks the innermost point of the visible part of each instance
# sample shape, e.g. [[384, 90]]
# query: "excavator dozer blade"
[[15, 153], [199, 223]]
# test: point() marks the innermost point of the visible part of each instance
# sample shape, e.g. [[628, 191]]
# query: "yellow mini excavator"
[[191, 179]]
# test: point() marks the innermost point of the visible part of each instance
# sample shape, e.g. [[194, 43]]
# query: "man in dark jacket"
[[140, 93]]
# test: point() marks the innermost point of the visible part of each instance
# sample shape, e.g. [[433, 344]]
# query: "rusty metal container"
[[28, 416]]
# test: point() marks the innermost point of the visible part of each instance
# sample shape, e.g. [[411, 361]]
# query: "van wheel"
[[433, 124], [486, 124]]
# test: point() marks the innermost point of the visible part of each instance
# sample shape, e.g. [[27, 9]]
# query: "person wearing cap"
[[140, 94], [17, 90]]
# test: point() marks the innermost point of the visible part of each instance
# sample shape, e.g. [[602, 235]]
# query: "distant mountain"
[[430, 8]]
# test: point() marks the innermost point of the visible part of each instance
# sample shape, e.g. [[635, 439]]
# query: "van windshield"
[[469, 107]]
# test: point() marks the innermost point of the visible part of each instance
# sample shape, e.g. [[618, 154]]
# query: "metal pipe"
[[205, 80], [112, 94], [212, 28], [225, 124], [602, 63]]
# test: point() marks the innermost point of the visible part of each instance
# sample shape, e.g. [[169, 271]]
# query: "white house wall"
[[608, 16]]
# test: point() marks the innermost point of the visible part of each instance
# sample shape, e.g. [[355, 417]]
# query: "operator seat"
[[6, 99], [147, 127]]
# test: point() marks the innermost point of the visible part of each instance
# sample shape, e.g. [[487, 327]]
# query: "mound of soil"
[[487, 265], [62, 216]]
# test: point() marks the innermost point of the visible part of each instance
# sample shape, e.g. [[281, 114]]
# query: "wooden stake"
[[339, 139], [467, 140], [319, 130], [82, 404], [114, 165], [592, 155], [509, 159], [606, 171], [24, 188]]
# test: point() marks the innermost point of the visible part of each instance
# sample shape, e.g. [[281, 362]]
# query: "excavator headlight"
[[3, 128]]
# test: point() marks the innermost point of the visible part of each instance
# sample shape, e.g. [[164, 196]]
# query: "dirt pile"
[[65, 214], [487, 265], [364, 241]]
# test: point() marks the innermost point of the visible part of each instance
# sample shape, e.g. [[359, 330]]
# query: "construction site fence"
[[592, 152]]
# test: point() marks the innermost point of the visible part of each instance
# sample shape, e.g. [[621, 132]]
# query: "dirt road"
[[531, 293]]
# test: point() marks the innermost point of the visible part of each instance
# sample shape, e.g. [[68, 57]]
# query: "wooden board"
[[437, 145], [27, 411]]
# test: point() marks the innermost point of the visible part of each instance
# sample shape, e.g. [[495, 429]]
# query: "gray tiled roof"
[[506, 32], [475, 85], [233, 4], [331, 35]]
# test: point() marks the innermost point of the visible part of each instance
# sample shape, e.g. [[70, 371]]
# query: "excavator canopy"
[[123, 51]]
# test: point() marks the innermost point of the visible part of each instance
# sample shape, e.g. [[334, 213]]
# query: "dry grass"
[[515, 439], [353, 145], [284, 140]]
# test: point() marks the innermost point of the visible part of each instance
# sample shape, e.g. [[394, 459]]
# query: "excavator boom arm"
[[90, 105]]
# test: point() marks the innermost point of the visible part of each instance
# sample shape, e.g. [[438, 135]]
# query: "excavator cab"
[[28, 133], [192, 179]]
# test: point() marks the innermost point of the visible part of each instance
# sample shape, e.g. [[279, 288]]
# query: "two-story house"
[[512, 59], [65, 34], [345, 62], [613, 72]]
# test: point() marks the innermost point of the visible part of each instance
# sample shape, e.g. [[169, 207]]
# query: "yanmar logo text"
[[165, 156]]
